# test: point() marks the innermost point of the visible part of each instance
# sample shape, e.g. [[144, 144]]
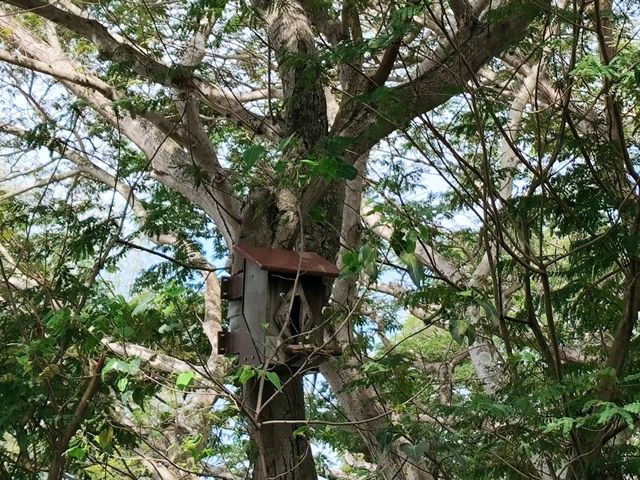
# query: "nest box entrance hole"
[[295, 326], [294, 316]]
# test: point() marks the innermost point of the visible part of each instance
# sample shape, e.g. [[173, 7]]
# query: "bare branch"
[[58, 71], [194, 53], [386, 65], [154, 359], [40, 183], [425, 252]]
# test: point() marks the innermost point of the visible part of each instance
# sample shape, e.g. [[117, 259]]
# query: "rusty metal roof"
[[287, 261]]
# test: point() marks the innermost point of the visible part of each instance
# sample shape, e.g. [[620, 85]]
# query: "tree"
[[265, 123]]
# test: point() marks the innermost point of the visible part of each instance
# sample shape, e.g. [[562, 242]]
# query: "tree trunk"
[[274, 415], [56, 467], [280, 452]]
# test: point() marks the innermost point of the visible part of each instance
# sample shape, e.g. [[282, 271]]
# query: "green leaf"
[[372, 367], [25, 362], [191, 443], [301, 431], [280, 166], [204, 453], [79, 453], [564, 424], [626, 417], [318, 214], [386, 436], [122, 384], [130, 367], [347, 172], [169, 327], [285, 142], [144, 303], [455, 333], [632, 378], [410, 241], [471, 335], [274, 379], [633, 407], [105, 438], [415, 452], [610, 411], [489, 310], [185, 379], [414, 267], [252, 154], [246, 374], [351, 265], [138, 396]]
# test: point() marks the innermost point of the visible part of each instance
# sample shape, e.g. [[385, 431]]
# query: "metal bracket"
[[224, 339], [231, 287], [239, 343]]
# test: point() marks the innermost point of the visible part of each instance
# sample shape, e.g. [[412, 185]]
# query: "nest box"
[[275, 308]]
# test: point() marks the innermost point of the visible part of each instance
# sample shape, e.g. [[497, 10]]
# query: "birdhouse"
[[275, 308]]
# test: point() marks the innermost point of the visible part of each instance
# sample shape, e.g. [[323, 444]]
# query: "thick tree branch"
[[115, 49], [57, 71], [462, 10], [154, 359], [386, 65], [320, 17], [290, 36], [97, 34], [11, 275], [440, 78], [171, 164], [196, 47], [342, 294]]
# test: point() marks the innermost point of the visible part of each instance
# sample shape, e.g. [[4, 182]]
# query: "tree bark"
[[281, 452]]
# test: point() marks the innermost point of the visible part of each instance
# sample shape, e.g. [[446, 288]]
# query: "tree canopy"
[[472, 167]]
